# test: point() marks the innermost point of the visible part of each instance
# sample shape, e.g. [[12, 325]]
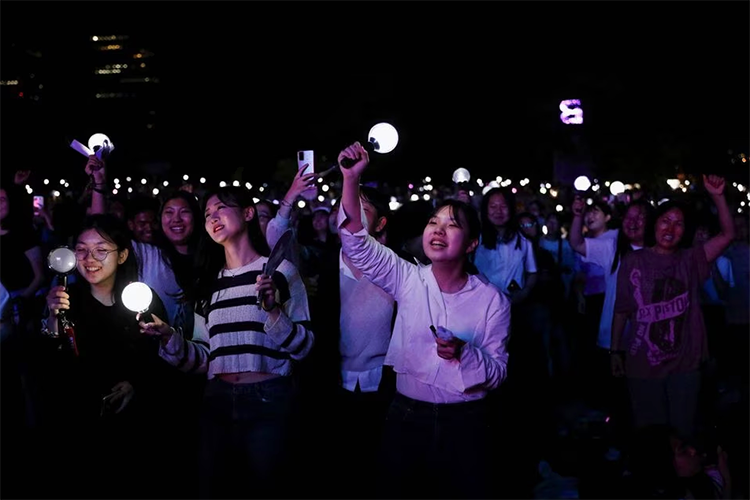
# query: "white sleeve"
[[600, 251], [276, 227], [190, 356]]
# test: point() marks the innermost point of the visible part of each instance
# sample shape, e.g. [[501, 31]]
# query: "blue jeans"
[[244, 430], [435, 450]]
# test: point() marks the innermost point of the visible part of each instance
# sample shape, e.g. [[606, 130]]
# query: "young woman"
[[246, 347], [504, 255], [448, 347], [658, 292], [168, 266], [94, 414]]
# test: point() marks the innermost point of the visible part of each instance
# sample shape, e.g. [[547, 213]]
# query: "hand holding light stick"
[[137, 297], [383, 139]]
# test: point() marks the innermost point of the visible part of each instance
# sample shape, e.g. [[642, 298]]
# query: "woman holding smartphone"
[[447, 349], [249, 329]]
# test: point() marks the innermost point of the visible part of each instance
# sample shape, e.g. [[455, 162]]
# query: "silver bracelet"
[[46, 332]]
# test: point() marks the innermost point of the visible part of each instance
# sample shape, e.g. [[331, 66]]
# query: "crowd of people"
[[419, 352]]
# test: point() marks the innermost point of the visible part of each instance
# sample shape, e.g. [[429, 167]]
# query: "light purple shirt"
[[478, 314]]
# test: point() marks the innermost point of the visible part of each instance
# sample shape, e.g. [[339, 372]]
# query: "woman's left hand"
[[448, 347], [266, 289]]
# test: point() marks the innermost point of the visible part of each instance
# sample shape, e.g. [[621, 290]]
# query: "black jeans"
[[435, 450]]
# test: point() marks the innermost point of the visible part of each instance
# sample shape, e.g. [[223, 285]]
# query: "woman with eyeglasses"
[[102, 384]]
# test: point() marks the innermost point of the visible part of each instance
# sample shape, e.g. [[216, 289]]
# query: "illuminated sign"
[[571, 112]]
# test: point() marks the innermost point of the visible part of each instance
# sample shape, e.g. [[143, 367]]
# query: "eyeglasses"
[[527, 225], [97, 253]]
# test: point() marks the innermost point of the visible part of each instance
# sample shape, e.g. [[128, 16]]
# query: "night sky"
[[473, 85]]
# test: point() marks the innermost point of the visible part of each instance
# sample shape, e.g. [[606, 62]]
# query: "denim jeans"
[[244, 430], [435, 450]]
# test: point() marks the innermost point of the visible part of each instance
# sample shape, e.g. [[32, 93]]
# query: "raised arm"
[[280, 223], [95, 168], [350, 190], [577, 241], [716, 245]]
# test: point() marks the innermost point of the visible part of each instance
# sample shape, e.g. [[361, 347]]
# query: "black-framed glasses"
[[527, 225], [97, 253]]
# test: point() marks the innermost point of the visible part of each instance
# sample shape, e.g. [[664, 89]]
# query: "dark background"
[[224, 103]]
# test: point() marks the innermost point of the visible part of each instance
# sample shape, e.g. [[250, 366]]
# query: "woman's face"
[[320, 221], [701, 235], [98, 272], [634, 223], [596, 220], [528, 227], [224, 222], [446, 239], [498, 211], [177, 221], [670, 227], [3, 204], [553, 225], [263, 212]]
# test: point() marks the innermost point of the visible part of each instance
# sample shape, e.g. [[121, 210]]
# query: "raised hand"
[[579, 206], [361, 157], [714, 184], [95, 169], [301, 183]]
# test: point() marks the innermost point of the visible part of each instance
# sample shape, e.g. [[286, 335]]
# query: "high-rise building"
[[126, 71], [21, 74]]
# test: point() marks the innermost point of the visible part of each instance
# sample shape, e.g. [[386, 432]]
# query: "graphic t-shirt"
[[660, 294]]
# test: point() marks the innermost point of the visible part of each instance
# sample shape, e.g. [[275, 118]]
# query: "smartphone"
[[38, 204], [306, 158]]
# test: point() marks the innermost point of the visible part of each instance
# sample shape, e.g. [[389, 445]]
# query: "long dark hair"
[[115, 231], [488, 231], [181, 265], [210, 256], [622, 246]]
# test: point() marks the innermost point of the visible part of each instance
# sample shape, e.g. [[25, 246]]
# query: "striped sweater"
[[234, 335]]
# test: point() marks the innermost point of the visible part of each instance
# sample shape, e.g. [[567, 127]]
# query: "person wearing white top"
[[448, 347]]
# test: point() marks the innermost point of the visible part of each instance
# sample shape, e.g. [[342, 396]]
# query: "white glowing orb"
[[137, 296], [582, 183], [98, 140], [616, 188], [62, 260], [461, 175], [384, 137]]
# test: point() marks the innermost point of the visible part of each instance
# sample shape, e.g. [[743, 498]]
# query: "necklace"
[[238, 270], [225, 272]]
